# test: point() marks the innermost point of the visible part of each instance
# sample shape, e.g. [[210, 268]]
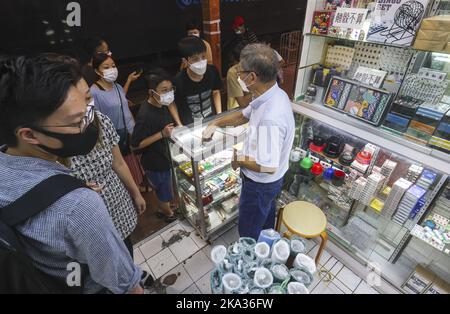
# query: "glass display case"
[[373, 197], [395, 86], [208, 187]]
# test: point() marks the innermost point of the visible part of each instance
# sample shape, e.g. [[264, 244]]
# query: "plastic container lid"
[[328, 174], [364, 157], [306, 163], [318, 144], [316, 148], [346, 158], [317, 169], [339, 174], [333, 148]]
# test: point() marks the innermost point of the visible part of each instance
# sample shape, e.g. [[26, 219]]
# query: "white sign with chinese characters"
[[368, 76], [350, 18]]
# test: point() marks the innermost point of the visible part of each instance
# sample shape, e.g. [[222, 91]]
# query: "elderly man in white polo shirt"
[[267, 145]]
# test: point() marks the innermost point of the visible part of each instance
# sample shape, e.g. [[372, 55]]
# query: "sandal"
[[171, 218]]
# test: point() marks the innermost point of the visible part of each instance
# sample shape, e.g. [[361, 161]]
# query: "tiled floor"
[[179, 252]]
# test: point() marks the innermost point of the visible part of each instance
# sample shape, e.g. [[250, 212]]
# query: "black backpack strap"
[[39, 198], [100, 87]]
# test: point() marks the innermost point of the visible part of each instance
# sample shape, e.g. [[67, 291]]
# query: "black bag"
[[17, 272]]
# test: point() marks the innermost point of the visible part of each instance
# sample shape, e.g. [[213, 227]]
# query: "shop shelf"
[[349, 40], [401, 146]]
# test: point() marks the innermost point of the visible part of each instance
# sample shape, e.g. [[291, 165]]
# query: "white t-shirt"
[[270, 135]]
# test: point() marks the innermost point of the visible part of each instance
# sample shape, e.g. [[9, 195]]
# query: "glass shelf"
[[349, 40], [399, 145]]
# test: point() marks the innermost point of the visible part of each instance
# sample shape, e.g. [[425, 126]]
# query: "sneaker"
[[147, 280]]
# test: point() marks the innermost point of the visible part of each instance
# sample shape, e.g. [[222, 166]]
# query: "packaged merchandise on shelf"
[[411, 203], [321, 22], [395, 196], [441, 137], [357, 187], [403, 110], [426, 121], [423, 88], [360, 101], [373, 185], [339, 57], [367, 55], [323, 75], [397, 22], [395, 62], [427, 179], [414, 171]]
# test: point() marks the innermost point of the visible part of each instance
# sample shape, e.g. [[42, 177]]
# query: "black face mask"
[[79, 144]]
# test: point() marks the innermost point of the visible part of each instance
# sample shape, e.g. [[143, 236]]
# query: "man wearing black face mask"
[[44, 117]]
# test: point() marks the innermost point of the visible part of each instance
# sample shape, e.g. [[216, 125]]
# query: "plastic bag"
[[281, 252], [262, 250], [248, 243], [276, 289], [231, 283], [280, 272], [297, 245], [302, 276], [216, 282], [218, 254], [304, 261], [269, 236], [263, 278], [297, 288]]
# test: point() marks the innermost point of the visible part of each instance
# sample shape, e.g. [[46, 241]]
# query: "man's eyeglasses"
[[83, 124]]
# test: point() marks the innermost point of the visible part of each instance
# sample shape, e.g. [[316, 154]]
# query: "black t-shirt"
[[195, 99], [151, 120]]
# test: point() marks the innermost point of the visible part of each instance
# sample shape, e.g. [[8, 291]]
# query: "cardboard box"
[[430, 45], [439, 35], [438, 22], [434, 34], [438, 287], [419, 281]]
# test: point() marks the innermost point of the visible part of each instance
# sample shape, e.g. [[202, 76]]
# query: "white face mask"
[[243, 84], [196, 35], [239, 32], [200, 67], [167, 98], [110, 75]]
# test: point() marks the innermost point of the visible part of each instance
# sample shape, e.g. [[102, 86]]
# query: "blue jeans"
[[257, 207]]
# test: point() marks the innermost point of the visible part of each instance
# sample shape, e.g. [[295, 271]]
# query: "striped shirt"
[[75, 228]]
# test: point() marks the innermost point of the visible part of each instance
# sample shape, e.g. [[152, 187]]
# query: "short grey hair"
[[262, 60]]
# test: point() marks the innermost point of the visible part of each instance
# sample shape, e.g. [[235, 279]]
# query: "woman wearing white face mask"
[[154, 125], [198, 87], [110, 98]]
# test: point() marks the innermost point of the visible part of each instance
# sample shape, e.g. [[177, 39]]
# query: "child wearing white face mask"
[[198, 87], [154, 125]]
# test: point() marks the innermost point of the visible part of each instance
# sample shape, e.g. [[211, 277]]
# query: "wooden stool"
[[305, 220]]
